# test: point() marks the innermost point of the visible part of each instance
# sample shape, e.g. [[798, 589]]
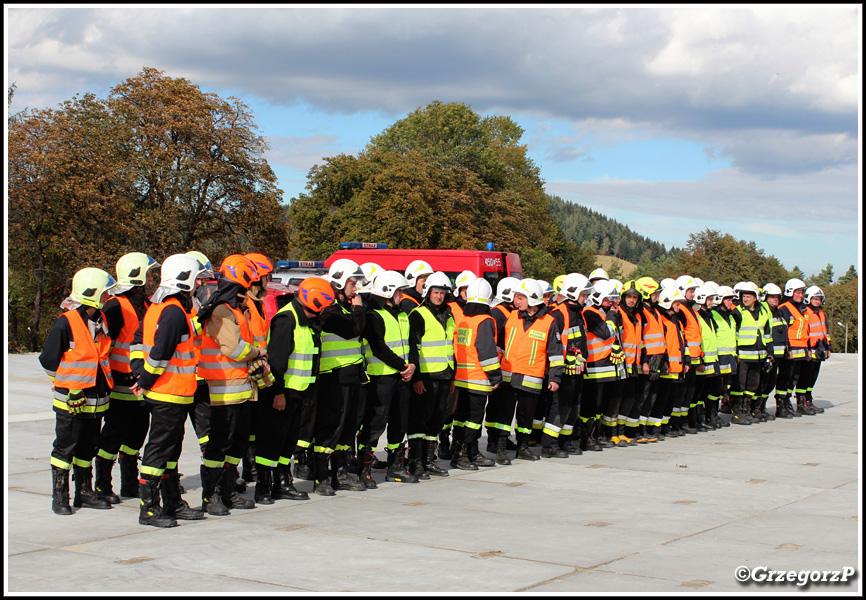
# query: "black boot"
[[396, 467], [460, 458], [211, 495], [84, 494], [230, 495], [60, 491], [365, 476], [623, 431], [802, 407], [479, 459], [416, 460], [756, 411], [790, 407], [284, 485], [739, 417], [303, 465], [341, 478], [553, 452], [587, 442], [654, 431], [174, 505], [128, 475], [103, 480], [264, 481], [249, 463], [810, 404], [597, 433], [782, 410], [322, 473], [150, 512], [502, 451], [444, 450], [523, 451], [429, 456], [701, 418]]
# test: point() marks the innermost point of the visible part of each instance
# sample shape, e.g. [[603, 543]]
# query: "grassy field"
[[625, 268]]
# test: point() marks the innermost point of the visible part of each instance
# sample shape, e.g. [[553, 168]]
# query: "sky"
[[670, 119]]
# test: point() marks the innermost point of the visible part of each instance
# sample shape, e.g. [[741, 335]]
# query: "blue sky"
[[670, 120]]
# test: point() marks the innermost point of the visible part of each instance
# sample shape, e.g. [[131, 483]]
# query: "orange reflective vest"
[[228, 376], [631, 337], [470, 371], [798, 331], [817, 326], [119, 357], [525, 357], [692, 334], [598, 365], [176, 382], [675, 345], [456, 311], [258, 325], [653, 332], [81, 362]]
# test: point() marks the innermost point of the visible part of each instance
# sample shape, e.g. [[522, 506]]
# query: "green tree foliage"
[[822, 279], [850, 275], [842, 305], [443, 177], [158, 167]]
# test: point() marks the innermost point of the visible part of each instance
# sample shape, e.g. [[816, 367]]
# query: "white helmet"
[[702, 292], [813, 292], [771, 289], [387, 283], [726, 292], [207, 268], [342, 270], [132, 268], [685, 282], [464, 279], [179, 272], [599, 273], [437, 280], [737, 287], [698, 280], [505, 288], [668, 296], [479, 291], [792, 285], [573, 285], [604, 288], [667, 282], [617, 285], [369, 270], [713, 288], [750, 288], [546, 288], [416, 269], [712, 283], [532, 290], [88, 284]]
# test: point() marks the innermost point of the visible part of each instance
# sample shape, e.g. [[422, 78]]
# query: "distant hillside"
[[598, 234], [625, 267]]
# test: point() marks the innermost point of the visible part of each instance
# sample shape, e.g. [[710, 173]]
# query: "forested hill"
[[598, 234]]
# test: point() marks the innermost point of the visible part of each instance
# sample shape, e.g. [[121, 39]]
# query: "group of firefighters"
[[581, 365]]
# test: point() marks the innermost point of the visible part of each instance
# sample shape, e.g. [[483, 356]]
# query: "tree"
[[822, 279], [842, 305], [850, 275], [712, 256]]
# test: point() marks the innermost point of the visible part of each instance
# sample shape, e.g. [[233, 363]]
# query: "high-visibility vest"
[[220, 370], [176, 382], [436, 350], [299, 369], [798, 331], [747, 335], [692, 333], [598, 365], [79, 365], [675, 346], [470, 372], [726, 342], [506, 312], [572, 332], [817, 326], [653, 332], [456, 311], [526, 351], [396, 338], [258, 325], [709, 348], [339, 352], [631, 337], [119, 357]]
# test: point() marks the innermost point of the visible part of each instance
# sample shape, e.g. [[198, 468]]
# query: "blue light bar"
[[362, 246], [284, 265]]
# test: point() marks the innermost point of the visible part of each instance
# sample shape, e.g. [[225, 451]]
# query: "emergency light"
[[362, 246], [285, 265]]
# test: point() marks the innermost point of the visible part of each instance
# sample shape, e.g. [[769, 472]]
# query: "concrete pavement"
[[673, 517]]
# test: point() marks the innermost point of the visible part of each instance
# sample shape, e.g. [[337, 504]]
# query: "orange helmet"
[[239, 269], [315, 293], [262, 263]]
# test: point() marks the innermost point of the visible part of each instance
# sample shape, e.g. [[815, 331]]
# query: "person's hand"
[[136, 389], [494, 387], [75, 401], [408, 372], [356, 300], [280, 402], [645, 369], [418, 388], [552, 386]]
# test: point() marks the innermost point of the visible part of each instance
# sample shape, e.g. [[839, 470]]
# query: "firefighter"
[[390, 365], [76, 358], [630, 317], [199, 413], [478, 371], [126, 421], [653, 356], [461, 284], [726, 342], [164, 360], [709, 391], [416, 274], [533, 353], [431, 337], [341, 372], [793, 311], [753, 337], [692, 329], [228, 349], [294, 345], [671, 378], [819, 344]]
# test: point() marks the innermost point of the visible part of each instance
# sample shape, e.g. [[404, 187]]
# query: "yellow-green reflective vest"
[[747, 335], [339, 352], [396, 338], [726, 339], [436, 350], [710, 348], [299, 371]]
